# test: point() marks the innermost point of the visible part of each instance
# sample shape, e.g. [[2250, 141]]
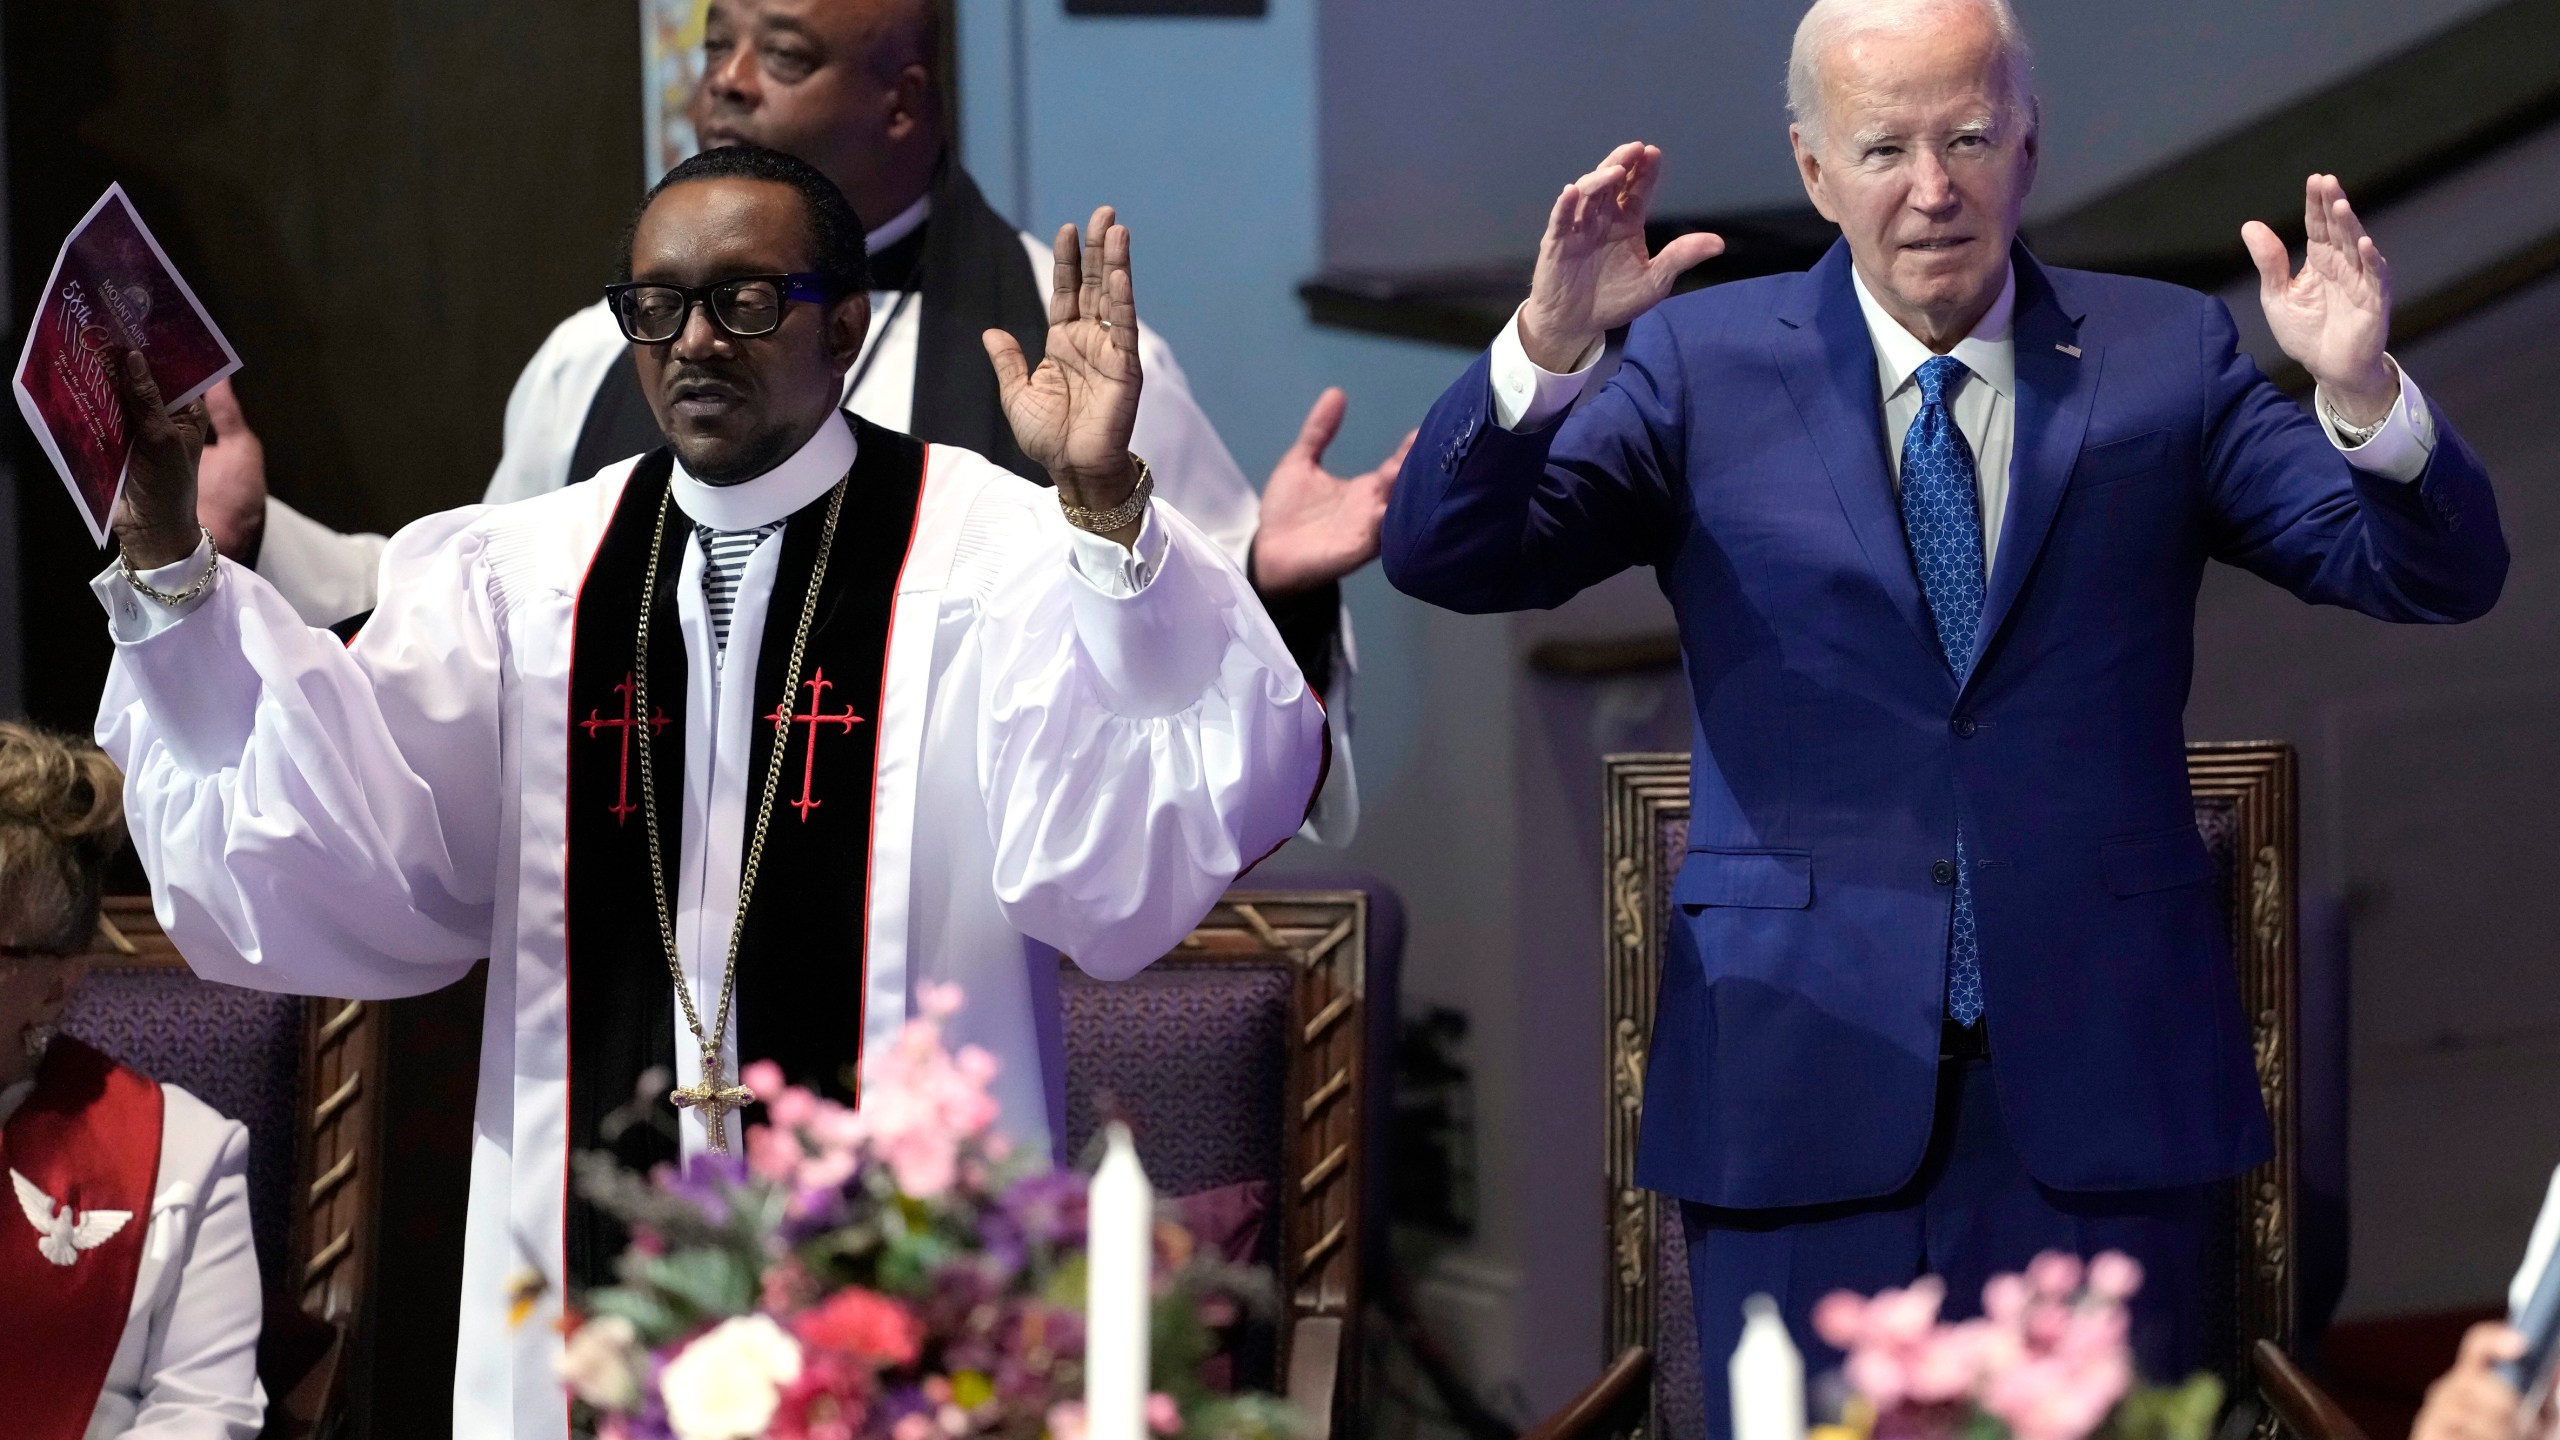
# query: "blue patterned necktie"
[[1942, 515]]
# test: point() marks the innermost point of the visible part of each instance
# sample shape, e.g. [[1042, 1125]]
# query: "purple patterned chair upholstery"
[[2245, 808], [1256, 1055], [301, 1074]]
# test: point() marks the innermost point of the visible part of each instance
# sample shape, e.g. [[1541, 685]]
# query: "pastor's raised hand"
[[2334, 315], [155, 521], [1074, 413], [1594, 273]]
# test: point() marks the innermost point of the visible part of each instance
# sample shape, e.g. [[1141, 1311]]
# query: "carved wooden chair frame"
[[1323, 937], [330, 1240], [2249, 786]]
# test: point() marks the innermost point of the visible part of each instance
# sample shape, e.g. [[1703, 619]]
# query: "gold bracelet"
[[212, 562], [1120, 516]]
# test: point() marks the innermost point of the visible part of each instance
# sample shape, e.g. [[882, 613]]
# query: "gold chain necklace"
[[713, 1095]]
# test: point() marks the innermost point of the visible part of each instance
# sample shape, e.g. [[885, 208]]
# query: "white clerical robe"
[[1059, 770], [187, 1367], [327, 575]]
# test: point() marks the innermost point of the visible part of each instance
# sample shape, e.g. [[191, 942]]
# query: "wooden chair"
[[2246, 809], [305, 1076], [1253, 1055]]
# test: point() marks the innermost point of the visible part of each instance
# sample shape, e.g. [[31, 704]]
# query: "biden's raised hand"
[[1594, 272], [2333, 316]]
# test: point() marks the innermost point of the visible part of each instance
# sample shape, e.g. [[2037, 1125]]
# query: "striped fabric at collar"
[[724, 561]]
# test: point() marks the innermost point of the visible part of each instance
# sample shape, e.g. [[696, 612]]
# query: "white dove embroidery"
[[61, 1235]]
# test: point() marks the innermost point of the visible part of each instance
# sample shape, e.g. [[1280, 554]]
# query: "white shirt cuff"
[[133, 617], [1152, 651], [1113, 569], [1526, 394], [2401, 448]]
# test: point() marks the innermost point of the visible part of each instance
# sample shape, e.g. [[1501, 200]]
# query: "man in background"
[[857, 88]]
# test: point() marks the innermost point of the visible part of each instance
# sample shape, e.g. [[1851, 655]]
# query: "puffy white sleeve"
[[317, 818], [1136, 752], [200, 1361]]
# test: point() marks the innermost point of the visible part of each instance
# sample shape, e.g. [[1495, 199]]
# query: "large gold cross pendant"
[[715, 1099]]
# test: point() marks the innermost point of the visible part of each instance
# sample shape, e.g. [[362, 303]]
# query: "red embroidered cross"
[[595, 722], [817, 685]]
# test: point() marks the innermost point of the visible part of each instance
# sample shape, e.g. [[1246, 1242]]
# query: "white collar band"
[[778, 493], [899, 226]]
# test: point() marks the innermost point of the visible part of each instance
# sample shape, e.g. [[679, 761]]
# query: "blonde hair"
[[61, 820]]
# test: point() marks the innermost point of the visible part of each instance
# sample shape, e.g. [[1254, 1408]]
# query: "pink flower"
[[913, 1426], [1163, 1416], [1902, 1317], [774, 1153], [921, 1103], [829, 1401], [2115, 1276], [1946, 1364], [1066, 1420], [1878, 1376], [1840, 1318], [2054, 1274], [2005, 1298], [939, 1000], [865, 1325]]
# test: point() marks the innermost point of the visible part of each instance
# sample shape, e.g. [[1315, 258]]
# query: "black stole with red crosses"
[[800, 962]]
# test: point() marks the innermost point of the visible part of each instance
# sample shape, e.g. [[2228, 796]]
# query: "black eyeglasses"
[[651, 313]]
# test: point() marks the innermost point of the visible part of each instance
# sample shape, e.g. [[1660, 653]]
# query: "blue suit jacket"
[[1739, 450]]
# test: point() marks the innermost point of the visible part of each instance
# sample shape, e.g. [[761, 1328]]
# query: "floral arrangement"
[[2049, 1359], [893, 1272]]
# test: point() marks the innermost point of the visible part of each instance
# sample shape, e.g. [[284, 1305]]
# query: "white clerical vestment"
[[1060, 769], [327, 575]]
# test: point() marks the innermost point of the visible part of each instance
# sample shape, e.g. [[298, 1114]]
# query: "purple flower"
[[1048, 1206]]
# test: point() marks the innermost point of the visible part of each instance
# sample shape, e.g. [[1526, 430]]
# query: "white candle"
[[1119, 1246], [1766, 1376]]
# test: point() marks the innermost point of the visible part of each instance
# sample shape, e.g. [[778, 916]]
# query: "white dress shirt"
[[187, 1367], [1526, 395]]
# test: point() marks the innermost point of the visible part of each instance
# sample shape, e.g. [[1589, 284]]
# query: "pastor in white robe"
[[327, 575], [1061, 769]]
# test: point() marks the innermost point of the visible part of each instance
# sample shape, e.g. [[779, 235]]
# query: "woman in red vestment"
[[129, 1294]]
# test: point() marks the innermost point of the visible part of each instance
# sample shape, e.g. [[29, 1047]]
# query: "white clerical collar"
[[15, 1096], [776, 494], [1990, 352], [900, 225]]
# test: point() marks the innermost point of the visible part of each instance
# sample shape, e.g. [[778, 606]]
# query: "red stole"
[[88, 1137]]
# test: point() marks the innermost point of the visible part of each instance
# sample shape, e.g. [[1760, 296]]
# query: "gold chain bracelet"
[[1120, 516], [212, 562]]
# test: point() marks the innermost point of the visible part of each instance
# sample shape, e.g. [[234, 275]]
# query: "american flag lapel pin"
[[2071, 350]]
